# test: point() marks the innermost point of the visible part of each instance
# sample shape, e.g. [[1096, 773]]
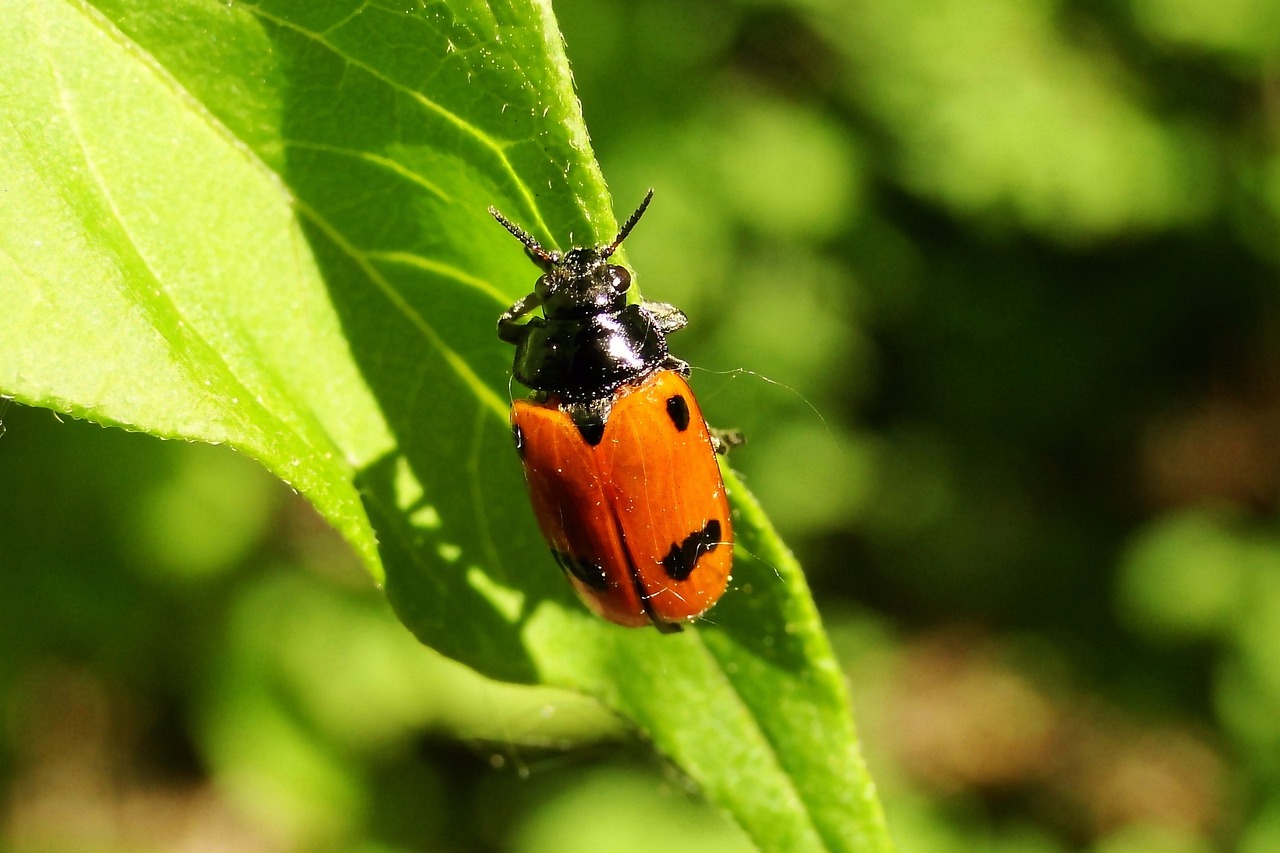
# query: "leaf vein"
[[459, 365], [494, 147], [191, 350], [376, 159], [449, 271]]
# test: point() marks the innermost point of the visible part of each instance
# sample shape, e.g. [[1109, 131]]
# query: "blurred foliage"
[[990, 285]]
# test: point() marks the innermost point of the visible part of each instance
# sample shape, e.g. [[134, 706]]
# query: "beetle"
[[620, 464]]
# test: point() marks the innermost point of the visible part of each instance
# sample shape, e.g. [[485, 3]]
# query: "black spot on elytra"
[[518, 435], [592, 431], [681, 559], [591, 574], [678, 411]]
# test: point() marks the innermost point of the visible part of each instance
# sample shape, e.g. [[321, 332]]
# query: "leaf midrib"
[[774, 753]]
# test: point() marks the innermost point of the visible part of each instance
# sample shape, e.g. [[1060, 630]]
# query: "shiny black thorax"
[[589, 341], [585, 348]]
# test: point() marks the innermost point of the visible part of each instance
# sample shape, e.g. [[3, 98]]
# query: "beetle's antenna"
[[534, 247], [628, 225]]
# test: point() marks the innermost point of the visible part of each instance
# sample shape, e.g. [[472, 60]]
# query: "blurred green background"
[[992, 286]]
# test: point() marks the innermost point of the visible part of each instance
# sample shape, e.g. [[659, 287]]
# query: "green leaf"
[[265, 225]]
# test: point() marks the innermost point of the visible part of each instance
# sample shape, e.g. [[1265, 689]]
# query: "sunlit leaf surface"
[[263, 224]]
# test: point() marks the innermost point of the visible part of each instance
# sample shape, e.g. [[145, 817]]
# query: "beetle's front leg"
[[508, 328], [666, 317]]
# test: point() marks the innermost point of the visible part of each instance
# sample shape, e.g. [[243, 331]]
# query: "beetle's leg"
[[679, 365], [724, 440], [508, 328], [666, 317]]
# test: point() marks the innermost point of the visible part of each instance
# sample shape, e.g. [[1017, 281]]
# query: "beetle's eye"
[[621, 279]]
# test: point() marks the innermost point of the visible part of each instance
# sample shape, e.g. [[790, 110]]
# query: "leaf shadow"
[[393, 201], [393, 205]]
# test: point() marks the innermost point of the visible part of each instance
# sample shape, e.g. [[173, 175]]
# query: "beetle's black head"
[[581, 282]]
